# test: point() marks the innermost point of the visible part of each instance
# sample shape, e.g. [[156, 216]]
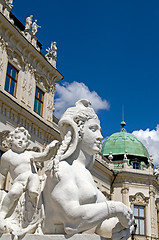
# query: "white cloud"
[[150, 139], [68, 93]]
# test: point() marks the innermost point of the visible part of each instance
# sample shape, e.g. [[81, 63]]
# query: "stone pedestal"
[[27, 34], [34, 42], [54, 237]]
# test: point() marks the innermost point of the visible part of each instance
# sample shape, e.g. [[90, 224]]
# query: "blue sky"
[[112, 47]]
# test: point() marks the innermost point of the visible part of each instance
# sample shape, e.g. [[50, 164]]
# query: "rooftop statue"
[[9, 3], [52, 54], [72, 202], [28, 22], [66, 199], [35, 27]]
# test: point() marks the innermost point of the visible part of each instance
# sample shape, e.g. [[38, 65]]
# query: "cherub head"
[[19, 139]]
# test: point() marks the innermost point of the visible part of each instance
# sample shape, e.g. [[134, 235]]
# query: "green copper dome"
[[122, 142]]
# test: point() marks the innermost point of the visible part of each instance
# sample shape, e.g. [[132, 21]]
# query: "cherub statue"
[[20, 164], [28, 22], [72, 202], [35, 27]]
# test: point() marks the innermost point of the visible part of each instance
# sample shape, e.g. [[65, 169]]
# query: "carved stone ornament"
[[1, 64], [64, 200], [152, 192], [52, 89], [50, 106], [125, 189], [51, 55], [41, 83], [139, 198], [3, 43], [15, 57], [30, 89], [24, 84], [157, 204], [3, 136]]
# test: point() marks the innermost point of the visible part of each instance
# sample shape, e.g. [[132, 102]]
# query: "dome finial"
[[123, 126], [123, 123]]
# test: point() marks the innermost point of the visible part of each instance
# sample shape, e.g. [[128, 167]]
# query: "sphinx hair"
[[54, 162]]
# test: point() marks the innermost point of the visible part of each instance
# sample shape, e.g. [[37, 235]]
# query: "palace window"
[[136, 165], [38, 102], [11, 80], [139, 214]]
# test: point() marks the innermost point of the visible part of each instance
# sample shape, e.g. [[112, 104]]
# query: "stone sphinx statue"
[[72, 202], [68, 202]]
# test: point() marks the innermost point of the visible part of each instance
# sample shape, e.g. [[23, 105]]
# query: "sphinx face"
[[91, 141]]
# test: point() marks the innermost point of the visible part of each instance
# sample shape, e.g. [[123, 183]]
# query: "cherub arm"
[[4, 167], [49, 151]]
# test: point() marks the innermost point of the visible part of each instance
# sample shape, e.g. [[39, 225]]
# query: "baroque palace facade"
[[124, 169]]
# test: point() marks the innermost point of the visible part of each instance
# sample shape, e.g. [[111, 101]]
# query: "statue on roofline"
[[52, 54], [9, 3], [28, 22], [35, 27]]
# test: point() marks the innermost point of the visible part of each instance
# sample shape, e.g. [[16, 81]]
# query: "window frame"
[[11, 78], [39, 100], [140, 218], [136, 165]]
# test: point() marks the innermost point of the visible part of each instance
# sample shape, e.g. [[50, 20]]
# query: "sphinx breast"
[[87, 194]]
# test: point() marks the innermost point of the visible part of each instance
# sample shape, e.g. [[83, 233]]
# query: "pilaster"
[[125, 194], [153, 213]]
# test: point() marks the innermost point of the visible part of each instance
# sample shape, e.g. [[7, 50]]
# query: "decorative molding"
[[3, 43], [3, 136], [15, 58], [1, 64], [52, 89], [153, 223], [41, 82], [152, 192], [139, 199], [157, 204], [125, 189]]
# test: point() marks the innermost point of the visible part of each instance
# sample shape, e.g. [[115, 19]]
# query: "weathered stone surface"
[[55, 237]]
